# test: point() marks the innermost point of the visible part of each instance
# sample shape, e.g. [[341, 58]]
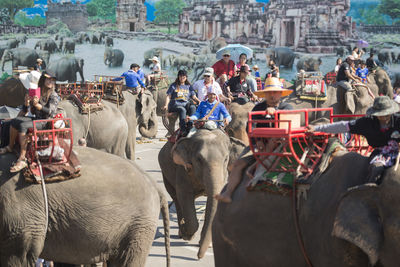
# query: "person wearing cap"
[[206, 110], [132, 78], [240, 87], [178, 99], [272, 94], [42, 108], [381, 128], [256, 72], [38, 65], [345, 75], [201, 86], [225, 65]]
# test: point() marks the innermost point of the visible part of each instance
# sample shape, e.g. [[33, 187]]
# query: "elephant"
[[48, 45], [309, 63], [68, 45], [20, 57], [2, 49], [183, 61], [282, 56], [385, 56], [341, 51], [98, 128], [149, 54], [82, 37], [66, 68], [95, 37], [395, 53], [109, 213], [21, 39], [237, 127], [109, 41], [146, 112], [396, 79], [194, 167], [113, 57], [12, 93], [168, 60], [217, 43], [382, 80], [344, 221], [12, 43]]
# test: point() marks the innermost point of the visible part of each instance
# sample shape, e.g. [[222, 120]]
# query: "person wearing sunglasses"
[[225, 66], [202, 86]]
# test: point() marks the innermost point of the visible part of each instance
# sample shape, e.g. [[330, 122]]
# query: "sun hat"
[[208, 71], [155, 59], [30, 79], [49, 74], [383, 106], [350, 57], [273, 84], [255, 67], [39, 60]]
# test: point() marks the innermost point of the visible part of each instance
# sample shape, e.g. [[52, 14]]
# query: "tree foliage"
[[102, 8], [22, 19], [168, 11], [390, 8], [13, 6]]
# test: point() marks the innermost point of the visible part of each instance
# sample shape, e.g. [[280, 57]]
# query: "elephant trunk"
[[214, 186], [149, 129]]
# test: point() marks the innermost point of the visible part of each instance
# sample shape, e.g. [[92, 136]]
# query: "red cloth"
[[221, 68]]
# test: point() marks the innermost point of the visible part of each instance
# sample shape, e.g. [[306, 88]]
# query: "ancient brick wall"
[[74, 16], [131, 15]]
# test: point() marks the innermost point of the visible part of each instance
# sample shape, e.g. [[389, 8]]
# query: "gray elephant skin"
[[240, 115], [109, 213], [48, 45], [309, 63], [109, 41], [149, 54], [66, 68], [344, 222], [68, 45], [385, 56], [113, 57], [20, 57], [146, 112], [282, 56], [12, 43], [191, 168], [12, 93]]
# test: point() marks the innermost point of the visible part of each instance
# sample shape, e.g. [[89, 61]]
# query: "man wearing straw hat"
[[272, 94], [381, 128]]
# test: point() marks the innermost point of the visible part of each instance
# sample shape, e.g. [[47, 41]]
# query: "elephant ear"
[[236, 147], [357, 220], [181, 153], [349, 100]]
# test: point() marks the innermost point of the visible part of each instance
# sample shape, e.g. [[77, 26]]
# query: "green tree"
[[13, 6], [390, 8], [102, 8], [168, 11], [22, 19]]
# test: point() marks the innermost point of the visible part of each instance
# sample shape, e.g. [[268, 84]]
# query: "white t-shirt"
[[201, 89], [157, 68]]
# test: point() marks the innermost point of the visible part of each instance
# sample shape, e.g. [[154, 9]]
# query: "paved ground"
[[183, 253]]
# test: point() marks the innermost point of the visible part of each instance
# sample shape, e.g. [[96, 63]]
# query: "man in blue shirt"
[[207, 111], [140, 73], [132, 78]]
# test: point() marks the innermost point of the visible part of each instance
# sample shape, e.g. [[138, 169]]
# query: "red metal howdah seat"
[[293, 150], [52, 146]]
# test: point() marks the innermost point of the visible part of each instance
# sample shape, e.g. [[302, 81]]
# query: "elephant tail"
[[165, 214]]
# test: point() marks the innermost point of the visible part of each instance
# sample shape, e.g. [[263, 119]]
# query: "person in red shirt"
[[225, 66]]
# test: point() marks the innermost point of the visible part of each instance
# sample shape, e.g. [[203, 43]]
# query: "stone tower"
[[131, 15], [308, 25]]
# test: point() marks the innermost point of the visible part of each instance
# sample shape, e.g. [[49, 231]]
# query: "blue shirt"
[[132, 79], [182, 93], [362, 73], [257, 74], [141, 74], [205, 107]]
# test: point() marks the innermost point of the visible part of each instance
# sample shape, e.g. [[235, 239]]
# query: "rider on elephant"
[[274, 69], [211, 111], [240, 88], [156, 69], [132, 79], [201, 86], [38, 65], [225, 66], [381, 128], [178, 100], [41, 108], [272, 95], [345, 75]]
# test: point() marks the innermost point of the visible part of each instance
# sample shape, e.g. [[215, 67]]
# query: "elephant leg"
[[135, 247]]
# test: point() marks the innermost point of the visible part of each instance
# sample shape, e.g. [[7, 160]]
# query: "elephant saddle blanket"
[[55, 171], [284, 182]]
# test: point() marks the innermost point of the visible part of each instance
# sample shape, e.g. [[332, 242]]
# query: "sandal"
[[19, 165], [5, 150]]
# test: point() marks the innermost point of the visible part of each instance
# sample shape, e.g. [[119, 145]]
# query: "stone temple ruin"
[[74, 16], [131, 15], [305, 25]]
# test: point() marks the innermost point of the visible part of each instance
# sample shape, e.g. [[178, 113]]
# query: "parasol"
[[235, 50], [8, 112], [362, 44]]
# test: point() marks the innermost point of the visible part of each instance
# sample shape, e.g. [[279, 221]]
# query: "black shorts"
[[22, 124]]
